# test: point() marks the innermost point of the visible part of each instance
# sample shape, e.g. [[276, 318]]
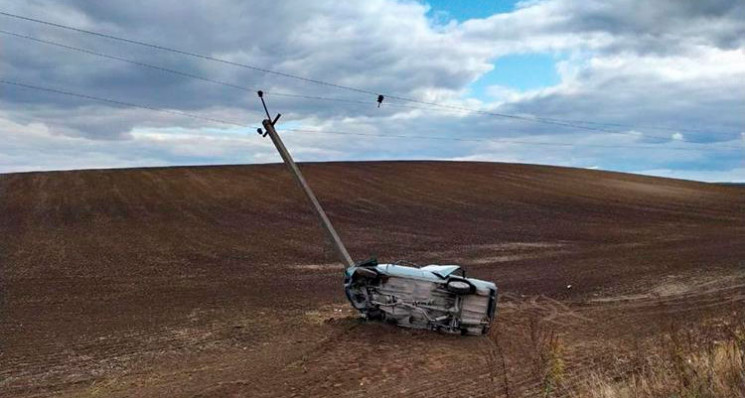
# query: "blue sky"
[[465, 10], [520, 72], [660, 95]]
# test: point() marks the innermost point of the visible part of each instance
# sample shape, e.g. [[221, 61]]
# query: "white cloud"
[[736, 175], [678, 65]]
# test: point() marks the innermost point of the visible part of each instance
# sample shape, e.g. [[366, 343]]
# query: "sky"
[[654, 88]]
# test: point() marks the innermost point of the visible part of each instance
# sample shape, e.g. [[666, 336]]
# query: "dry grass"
[[548, 357], [697, 359], [687, 364]]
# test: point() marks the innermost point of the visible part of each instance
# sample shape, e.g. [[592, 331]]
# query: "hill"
[[210, 281]]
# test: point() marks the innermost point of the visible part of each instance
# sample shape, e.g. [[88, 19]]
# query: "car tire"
[[459, 286], [375, 315]]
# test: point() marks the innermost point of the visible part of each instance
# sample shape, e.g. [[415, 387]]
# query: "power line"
[[198, 77], [466, 139], [222, 83], [574, 123], [559, 122], [190, 75], [194, 76], [117, 102], [499, 140], [681, 130], [174, 71], [187, 53]]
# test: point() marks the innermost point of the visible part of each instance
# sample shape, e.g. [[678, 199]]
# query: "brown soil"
[[216, 281]]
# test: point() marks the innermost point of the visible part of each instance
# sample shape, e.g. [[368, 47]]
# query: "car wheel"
[[459, 286], [375, 315]]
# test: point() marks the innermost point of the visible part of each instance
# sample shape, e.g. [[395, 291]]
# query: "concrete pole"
[[338, 245]]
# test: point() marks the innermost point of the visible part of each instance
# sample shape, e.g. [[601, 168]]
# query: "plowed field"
[[217, 281]]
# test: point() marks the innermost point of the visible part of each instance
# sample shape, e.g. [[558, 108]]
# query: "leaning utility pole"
[[435, 297], [269, 127]]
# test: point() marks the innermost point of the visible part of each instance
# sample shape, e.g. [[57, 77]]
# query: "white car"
[[436, 297]]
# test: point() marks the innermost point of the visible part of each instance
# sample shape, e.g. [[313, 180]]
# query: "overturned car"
[[435, 297]]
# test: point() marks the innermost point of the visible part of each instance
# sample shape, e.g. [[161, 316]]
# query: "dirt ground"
[[217, 281]]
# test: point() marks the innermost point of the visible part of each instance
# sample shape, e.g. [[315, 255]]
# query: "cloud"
[[664, 74], [736, 174]]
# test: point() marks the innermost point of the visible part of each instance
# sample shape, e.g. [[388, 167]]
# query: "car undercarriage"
[[429, 297]]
